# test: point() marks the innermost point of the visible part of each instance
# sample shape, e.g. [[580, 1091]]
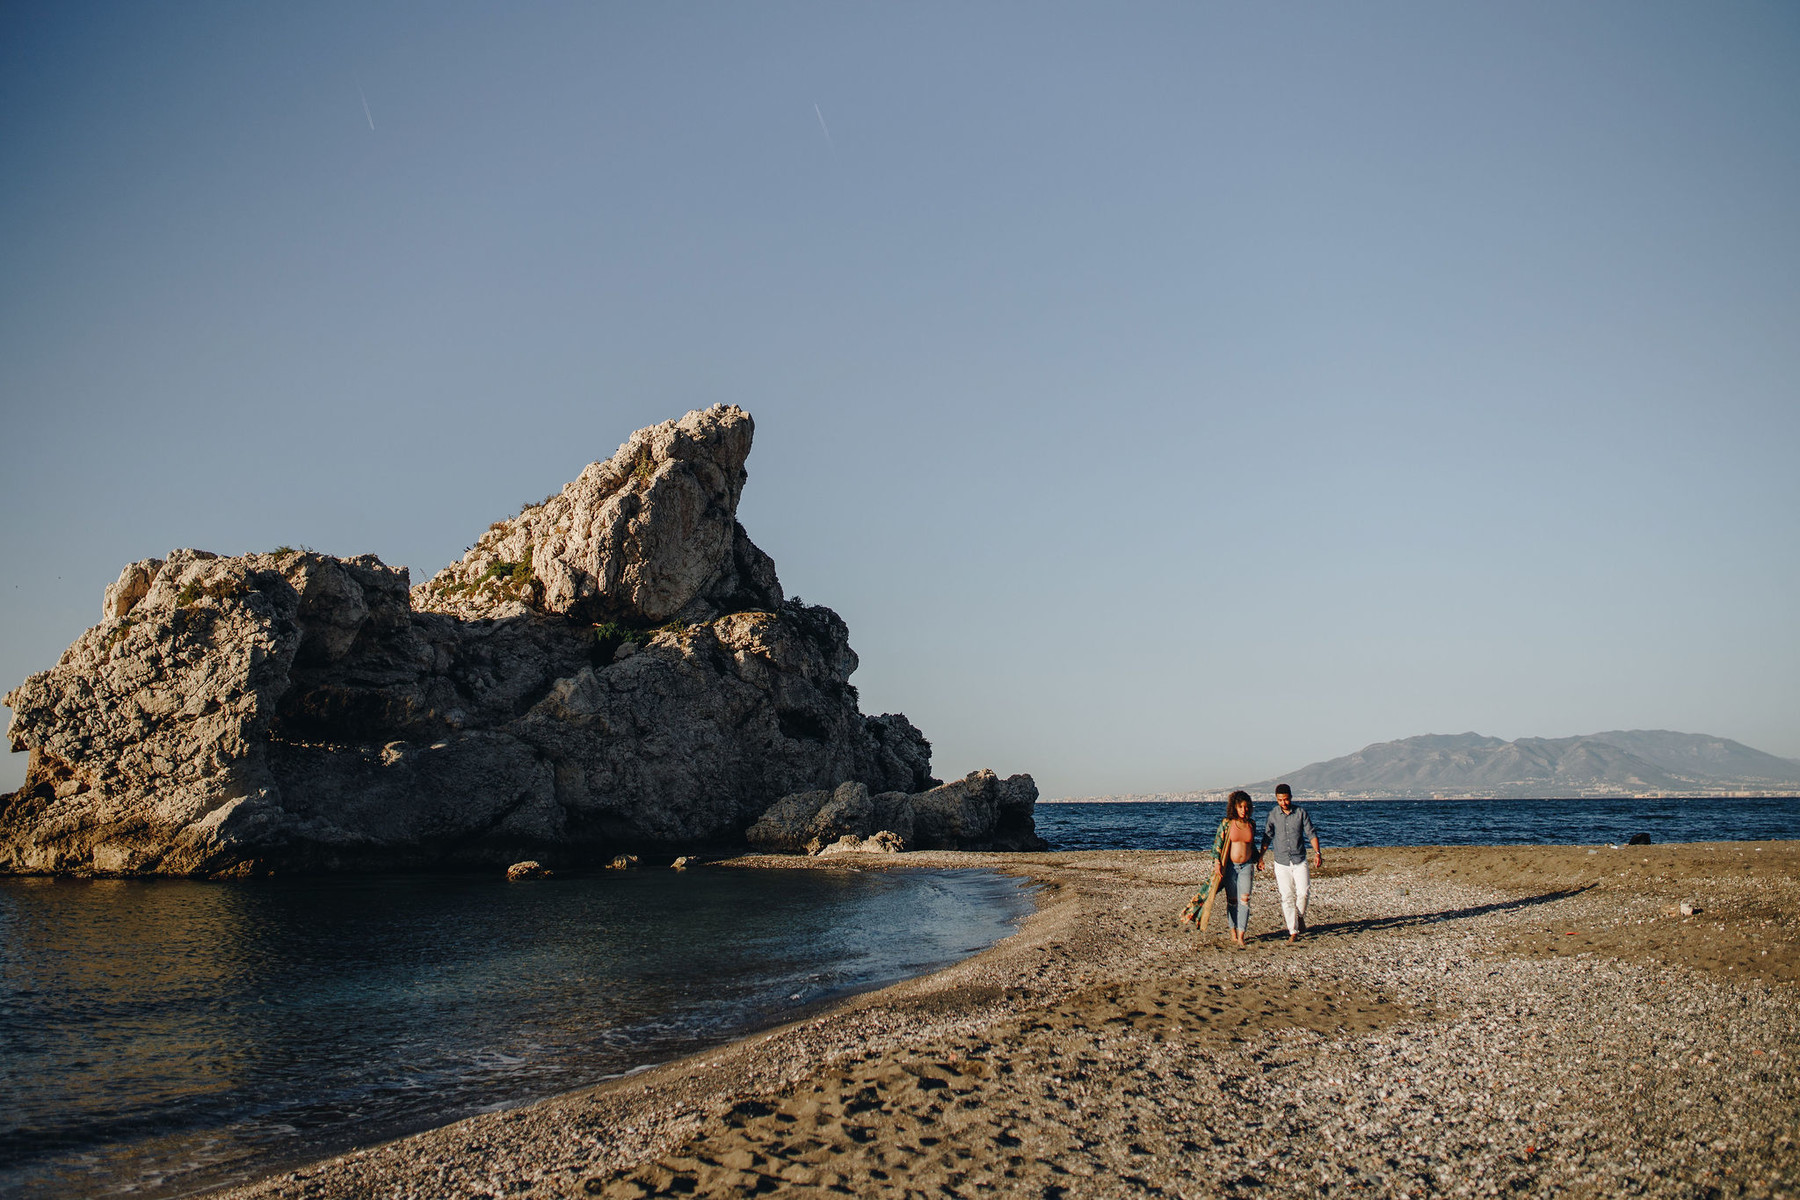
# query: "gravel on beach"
[[1458, 1021]]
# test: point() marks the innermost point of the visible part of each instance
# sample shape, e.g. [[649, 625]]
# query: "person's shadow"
[[1376, 924]]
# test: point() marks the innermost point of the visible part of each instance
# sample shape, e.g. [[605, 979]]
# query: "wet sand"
[[1457, 1021]]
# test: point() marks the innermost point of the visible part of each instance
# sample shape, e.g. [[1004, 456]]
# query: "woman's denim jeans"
[[1238, 878]]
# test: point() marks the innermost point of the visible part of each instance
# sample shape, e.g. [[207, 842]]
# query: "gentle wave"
[[160, 1036]]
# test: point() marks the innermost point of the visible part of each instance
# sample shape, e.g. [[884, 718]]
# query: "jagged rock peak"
[[647, 536]]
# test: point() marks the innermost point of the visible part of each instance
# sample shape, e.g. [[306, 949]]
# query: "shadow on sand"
[[1377, 924]]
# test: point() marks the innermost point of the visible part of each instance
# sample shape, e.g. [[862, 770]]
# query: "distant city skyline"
[[1163, 395]]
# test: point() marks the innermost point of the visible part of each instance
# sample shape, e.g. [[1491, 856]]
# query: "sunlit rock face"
[[614, 669], [649, 535]]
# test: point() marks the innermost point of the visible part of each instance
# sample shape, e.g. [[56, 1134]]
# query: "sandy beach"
[[1458, 1021]]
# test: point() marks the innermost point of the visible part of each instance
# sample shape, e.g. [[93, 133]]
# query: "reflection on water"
[[159, 1036]]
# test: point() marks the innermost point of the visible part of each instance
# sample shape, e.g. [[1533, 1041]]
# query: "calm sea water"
[[1186, 826], [158, 1037]]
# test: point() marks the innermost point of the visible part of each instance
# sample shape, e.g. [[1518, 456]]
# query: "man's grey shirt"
[[1287, 833]]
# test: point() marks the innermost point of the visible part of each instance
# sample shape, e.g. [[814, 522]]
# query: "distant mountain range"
[[1632, 762], [1636, 762]]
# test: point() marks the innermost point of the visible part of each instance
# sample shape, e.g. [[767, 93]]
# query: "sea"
[[1184, 825], [163, 1037]]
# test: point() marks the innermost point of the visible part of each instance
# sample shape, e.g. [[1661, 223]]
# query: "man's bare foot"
[[1293, 936]]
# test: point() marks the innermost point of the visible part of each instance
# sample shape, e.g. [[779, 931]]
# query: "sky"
[[1167, 395]]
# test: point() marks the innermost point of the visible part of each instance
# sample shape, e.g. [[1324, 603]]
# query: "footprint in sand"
[[925, 1121]]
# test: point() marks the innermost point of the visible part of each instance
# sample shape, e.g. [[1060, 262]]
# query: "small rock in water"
[[683, 863], [529, 869], [1639, 839], [622, 862]]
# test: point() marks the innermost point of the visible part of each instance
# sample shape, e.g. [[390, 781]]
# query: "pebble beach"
[[1458, 1021]]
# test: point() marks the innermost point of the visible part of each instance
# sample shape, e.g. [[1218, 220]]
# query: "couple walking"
[[1235, 864]]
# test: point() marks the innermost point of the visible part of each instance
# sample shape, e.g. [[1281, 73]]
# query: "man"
[[1286, 833]]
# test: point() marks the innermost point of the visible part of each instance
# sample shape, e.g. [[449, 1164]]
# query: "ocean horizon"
[[1189, 824]]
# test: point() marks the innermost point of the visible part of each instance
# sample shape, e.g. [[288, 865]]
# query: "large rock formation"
[[614, 669]]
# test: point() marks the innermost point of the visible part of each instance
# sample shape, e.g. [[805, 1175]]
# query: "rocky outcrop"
[[978, 812], [805, 820], [648, 536], [883, 842], [614, 670]]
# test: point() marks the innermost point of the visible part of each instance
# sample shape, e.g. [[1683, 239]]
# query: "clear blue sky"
[[1168, 395]]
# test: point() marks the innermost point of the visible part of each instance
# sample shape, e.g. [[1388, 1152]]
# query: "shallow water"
[[1175, 825], [158, 1036]]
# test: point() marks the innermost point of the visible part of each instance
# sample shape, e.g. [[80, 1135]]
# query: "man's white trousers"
[[1294, 882]]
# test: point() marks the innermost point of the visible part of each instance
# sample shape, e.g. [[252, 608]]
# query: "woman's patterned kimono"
[[1192, 912]]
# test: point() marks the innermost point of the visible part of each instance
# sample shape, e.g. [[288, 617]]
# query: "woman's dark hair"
[[1231, 805]]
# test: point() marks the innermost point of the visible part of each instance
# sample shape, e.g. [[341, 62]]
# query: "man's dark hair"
[[1282, 789]]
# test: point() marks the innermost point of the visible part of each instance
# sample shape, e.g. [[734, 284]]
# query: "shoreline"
[[1460, 1020]]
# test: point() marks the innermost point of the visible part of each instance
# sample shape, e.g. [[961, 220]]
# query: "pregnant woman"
[[1239, 860]]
